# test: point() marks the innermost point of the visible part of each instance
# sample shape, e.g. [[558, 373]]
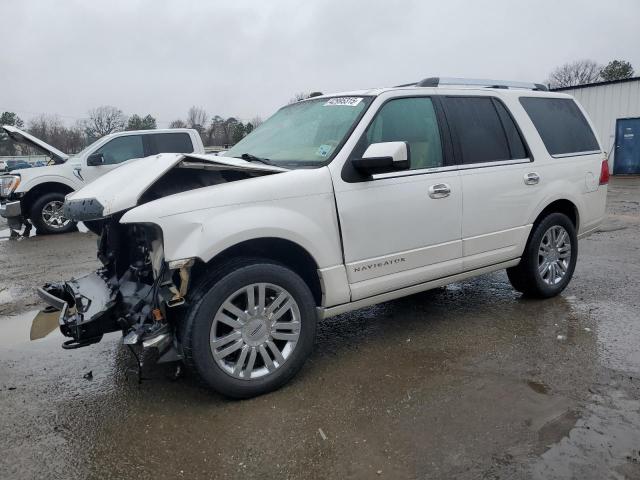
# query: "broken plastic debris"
[[587, 329], [88, 375], [324, 437], [562, 337]]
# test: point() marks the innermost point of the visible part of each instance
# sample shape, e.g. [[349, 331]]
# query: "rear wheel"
[[549, 259], [250, 328], [46, 215]]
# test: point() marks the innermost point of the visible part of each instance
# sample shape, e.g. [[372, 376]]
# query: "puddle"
[[29, 326]]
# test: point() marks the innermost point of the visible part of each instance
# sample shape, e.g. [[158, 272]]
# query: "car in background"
[[33, 194]]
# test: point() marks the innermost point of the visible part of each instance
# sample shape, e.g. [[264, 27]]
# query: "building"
[[614, 108]]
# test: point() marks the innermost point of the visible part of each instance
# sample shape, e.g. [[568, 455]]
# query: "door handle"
[[439, 190], [531, 178]]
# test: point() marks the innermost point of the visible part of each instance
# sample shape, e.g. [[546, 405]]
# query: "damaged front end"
[[137, 291], [131, 293]]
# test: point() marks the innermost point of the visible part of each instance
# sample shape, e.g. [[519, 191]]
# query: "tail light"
[[604, 172]]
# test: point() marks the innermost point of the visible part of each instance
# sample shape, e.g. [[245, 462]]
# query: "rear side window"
[[171, 143], [561, 125], [484, 130]]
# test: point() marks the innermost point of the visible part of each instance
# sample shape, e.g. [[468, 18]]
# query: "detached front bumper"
[[12, 211], [86, 308]]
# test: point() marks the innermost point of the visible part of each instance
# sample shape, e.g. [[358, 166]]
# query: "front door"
[[397, 229], [627, 157], [114, 152]]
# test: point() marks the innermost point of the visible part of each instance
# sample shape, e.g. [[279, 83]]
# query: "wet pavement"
[[467, 381]]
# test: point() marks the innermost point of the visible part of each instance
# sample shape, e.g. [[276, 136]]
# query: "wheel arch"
[[34, 193], [286, 252], [562, 205]]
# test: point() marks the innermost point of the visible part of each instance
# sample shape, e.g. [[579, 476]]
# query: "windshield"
[[306, 133]]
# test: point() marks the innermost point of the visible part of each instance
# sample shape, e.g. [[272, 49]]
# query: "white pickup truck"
[[36, 194], [335, 203]]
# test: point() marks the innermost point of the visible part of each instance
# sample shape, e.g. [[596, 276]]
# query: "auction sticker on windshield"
[[345, 101]]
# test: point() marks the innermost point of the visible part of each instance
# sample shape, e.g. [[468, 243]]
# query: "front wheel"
[[46, 215], [250, 328], [549, 258]]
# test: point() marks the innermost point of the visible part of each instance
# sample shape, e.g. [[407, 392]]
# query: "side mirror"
[[383, 157], [95, 159]]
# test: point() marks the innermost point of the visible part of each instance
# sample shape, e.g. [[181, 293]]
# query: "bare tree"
[[51, 130], [576, 73], [298, 97], [256, 121], [178, 124], [103, 121], [197, 118]]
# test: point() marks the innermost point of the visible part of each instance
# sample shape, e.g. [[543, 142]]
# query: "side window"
[[411, 120], [484, 134], [516, 145], [171, 143], [561, 125], [121, 149]]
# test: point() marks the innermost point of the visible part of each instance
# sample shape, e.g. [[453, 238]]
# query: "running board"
[[403, 292]]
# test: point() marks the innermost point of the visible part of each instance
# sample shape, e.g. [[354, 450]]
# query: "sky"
[[246, 58]]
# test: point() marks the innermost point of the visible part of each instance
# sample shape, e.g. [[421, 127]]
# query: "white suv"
[[335, 203]]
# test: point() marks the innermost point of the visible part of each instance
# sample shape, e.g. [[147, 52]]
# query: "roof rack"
[[475, 82]]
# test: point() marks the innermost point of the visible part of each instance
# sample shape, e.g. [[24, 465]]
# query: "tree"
[[298, 97], [238, 132], [197, 118], [248, 128], [617, 70], [178, 124], [103, 121], [576, 73], [256, 121], [51, 130], [228, 127], [136, 122], [10, 118]]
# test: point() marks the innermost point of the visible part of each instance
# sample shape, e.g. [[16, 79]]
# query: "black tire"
[[526, 277], [42, 227], [207, 299]]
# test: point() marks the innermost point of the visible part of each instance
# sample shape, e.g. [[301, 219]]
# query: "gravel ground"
[[469, 381]]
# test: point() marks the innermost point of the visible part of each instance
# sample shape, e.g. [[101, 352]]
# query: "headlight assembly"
[[8, 184]]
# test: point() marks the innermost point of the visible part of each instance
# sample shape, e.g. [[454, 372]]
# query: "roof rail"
[[441, 81]]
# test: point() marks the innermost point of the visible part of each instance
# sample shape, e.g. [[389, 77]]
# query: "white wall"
[[605, 104]]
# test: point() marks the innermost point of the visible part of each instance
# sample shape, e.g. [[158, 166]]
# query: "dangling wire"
[[135, 355]]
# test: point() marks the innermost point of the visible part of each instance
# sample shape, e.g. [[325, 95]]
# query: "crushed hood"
[[122, 188], [21, 136]]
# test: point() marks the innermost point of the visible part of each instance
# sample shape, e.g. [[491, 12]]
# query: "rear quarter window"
[[561, 125], [171, 143]]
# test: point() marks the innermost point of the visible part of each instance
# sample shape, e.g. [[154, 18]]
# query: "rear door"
[[494, 167], [396, 231]]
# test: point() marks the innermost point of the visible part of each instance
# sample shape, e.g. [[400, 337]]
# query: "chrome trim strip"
[[450, 168], [576, 154]]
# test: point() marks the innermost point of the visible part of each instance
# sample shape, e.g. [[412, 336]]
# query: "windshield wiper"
[[252, 158]]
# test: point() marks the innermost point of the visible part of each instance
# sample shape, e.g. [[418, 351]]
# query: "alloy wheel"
[[554, 255], [255, 331], [52, 215]]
